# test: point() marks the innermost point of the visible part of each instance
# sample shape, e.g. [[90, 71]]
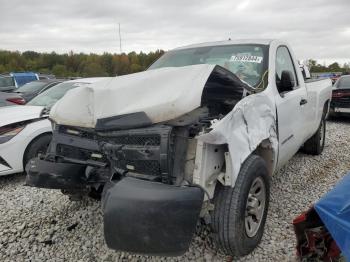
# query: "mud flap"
[[150, 218], [54, 175]]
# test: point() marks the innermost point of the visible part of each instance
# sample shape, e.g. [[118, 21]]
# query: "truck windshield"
[[49, 97], [249, 62]]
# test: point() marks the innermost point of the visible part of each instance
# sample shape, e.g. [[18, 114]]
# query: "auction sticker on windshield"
[[246, 58]]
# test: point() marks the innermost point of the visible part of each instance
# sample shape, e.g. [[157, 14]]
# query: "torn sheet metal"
[[167, 93], [163, 94], [250, 122]]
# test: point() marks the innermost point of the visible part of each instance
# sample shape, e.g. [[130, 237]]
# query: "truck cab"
[[9, 82], [197, 135]]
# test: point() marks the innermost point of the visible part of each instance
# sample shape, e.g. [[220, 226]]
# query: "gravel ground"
[[43, 225]]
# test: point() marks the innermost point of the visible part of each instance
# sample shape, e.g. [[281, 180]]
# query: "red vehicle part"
[[17, 100], [314, 242], [340, 93]]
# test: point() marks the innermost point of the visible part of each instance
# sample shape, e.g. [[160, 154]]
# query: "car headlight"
[[8, 132]]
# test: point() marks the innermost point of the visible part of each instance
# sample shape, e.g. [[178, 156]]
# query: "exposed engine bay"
[[133, 146]]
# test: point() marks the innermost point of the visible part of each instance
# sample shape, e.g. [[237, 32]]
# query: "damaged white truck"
[[198, 134]]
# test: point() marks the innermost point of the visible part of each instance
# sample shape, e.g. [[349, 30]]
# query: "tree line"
[[107, 64], [334, 67], [76, 64]]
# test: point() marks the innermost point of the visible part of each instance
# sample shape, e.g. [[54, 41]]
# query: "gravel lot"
[[43, 225]]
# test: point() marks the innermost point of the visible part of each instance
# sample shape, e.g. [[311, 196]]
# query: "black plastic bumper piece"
[[45, 174], [151, 218]]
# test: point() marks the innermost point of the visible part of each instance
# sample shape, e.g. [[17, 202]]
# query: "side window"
[[284, 63]]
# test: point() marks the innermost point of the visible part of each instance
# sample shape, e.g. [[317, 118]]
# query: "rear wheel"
[[37, 147], [239, 214], [315, 144], [331, 114]]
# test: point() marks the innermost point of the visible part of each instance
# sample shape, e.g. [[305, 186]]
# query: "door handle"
[[303, 101]]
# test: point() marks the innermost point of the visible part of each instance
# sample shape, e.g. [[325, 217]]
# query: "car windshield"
[[31, 87], [343, 82], [49, 97], [249, 62], [6, 82]]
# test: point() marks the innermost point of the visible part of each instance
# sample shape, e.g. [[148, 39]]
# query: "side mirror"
[[287, 82]]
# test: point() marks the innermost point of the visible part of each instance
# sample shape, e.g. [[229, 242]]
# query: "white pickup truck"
[[198, 134]]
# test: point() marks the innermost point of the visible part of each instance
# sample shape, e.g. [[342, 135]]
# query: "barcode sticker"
[[246, 58]]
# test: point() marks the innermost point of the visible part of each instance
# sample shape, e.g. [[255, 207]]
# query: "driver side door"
[[289, 106]]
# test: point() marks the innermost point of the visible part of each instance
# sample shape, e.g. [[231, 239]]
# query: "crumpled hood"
[[14, 114], [162, 94]]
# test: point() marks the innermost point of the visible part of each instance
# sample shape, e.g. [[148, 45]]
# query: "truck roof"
[[89, 80], [229, 42]]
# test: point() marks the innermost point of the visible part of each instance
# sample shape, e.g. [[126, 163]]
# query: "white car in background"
[[25, 131]]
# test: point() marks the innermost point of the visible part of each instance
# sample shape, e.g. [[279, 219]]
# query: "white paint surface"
[[163, 94]]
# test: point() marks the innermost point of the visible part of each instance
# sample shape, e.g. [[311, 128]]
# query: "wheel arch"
[[326, 107], [31, 142], [266, 152]]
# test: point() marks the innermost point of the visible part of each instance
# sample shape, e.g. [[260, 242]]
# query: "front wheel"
[[239, 214]]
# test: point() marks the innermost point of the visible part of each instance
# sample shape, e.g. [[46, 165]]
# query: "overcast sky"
[[317, 29]]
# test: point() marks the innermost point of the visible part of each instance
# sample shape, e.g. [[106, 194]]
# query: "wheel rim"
[[255, 207], [322, 133]]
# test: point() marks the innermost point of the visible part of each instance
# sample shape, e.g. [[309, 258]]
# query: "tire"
[[106, 187], [38, 146], [331, 114], [315, 144], [229, 222]]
